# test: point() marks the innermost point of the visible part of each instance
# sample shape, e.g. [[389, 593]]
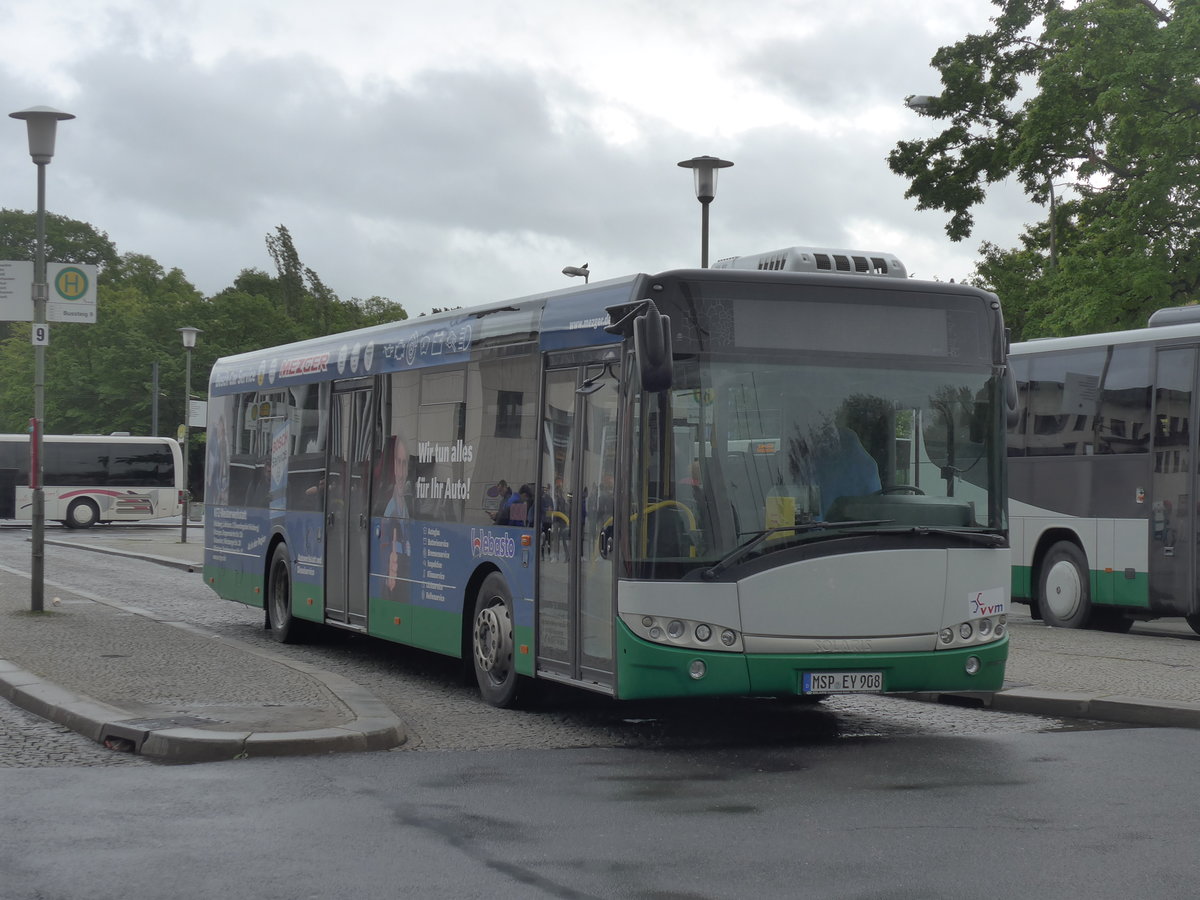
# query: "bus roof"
[[568, 318], [1162, 328]]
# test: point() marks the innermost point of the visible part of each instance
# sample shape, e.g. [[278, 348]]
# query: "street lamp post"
[[705, 170], [41, 122], [576, 271], [188, 334]]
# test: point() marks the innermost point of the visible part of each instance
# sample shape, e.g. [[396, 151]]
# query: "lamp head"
[[188, 334], [705, 170], [41, 123]]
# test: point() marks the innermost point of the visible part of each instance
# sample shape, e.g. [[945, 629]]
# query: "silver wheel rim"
[[279, 592], [1064, 591], [83, 514], [493, 642]]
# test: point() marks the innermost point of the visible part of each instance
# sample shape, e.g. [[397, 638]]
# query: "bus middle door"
[[1172, 483], [347, 497]]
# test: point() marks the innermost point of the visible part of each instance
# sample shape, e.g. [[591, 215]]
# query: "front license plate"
[[843, 683]]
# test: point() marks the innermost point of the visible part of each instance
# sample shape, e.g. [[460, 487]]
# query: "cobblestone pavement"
[[29, 741]]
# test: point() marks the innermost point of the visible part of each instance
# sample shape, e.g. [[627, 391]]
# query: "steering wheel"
[[900, 489]]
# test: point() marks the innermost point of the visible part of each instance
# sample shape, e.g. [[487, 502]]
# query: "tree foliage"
[[1094, 101], [99, 376], [67, 240]]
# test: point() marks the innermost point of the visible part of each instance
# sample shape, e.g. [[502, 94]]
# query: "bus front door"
[[575, 584], [347, 513], [1172, 503]]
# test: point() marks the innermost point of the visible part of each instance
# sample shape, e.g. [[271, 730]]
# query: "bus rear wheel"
[[284, 627], [1064, 598], [492, 642], [82, 513]]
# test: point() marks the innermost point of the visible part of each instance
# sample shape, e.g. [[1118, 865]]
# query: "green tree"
[[67, 240], [1102, 98], [99, 376]]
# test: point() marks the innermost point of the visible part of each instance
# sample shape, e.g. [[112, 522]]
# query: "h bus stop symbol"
[[72, 292]]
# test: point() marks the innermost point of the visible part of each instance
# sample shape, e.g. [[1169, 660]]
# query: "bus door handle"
[[362, 520], [329, 520]]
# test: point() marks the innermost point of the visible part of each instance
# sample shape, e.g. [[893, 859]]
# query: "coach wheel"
[[1065, 598], [492, 642], [284, 627], [1194, 622], [82, 513]]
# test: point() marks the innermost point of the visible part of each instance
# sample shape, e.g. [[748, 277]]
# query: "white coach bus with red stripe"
[[93, 478]]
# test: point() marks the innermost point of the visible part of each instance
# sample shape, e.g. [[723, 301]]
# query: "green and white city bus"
[[725, 481], [1102, 487]]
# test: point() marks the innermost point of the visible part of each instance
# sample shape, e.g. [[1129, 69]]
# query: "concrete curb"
[[373, 727], [129, 554], [1101, 707], [371, 723]]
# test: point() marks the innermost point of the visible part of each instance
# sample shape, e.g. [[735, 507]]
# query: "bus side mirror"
[[652, 344]]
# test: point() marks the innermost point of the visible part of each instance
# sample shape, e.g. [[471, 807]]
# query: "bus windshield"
[[779, 451]]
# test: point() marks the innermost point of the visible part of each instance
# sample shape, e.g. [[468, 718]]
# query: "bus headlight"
[[972, 665], [697, 669], [972, 632], [682, 633]]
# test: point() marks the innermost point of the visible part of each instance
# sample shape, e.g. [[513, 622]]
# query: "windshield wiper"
[[758, 537], [985, 538], [973, 537]]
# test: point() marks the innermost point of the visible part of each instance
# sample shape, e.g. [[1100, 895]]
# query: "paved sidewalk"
[[177, 692], [166, 689]]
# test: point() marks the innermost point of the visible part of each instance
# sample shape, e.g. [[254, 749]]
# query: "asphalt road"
[[1094, 814]]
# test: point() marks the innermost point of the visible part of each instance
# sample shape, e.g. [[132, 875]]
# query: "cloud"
[[445, 161]]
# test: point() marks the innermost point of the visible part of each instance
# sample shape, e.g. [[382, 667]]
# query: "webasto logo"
[[485, 543]]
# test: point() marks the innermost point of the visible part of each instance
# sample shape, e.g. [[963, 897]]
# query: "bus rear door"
[[347, 498]]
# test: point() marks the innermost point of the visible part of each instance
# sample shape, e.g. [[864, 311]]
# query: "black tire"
[[82, 513], [492, 647], [284, 627], [1194, 622], [1064, 594]]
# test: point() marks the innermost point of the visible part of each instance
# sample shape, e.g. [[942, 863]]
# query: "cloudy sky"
[[443, 154]]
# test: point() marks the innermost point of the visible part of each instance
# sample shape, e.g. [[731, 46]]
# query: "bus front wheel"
[[1065, 597], [492, 642], [284, 627], [82, 513]]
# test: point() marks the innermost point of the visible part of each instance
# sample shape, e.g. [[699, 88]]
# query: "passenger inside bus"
[[843, 468]]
